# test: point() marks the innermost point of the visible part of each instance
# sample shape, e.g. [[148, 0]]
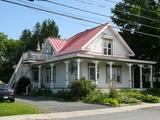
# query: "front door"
[[91, 73]]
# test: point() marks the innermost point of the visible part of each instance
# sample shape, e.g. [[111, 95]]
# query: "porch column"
[[96, 71], [130, 74], [51, 65], [39, 75], [151, 80], [141, 82], [78, 68], [67, 73], [110, 73]]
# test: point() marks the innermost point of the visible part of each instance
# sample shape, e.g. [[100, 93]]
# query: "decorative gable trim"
[[45, 45], [118, 36]]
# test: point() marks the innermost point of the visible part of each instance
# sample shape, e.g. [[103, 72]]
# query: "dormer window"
[[107, 47], [52, 51]]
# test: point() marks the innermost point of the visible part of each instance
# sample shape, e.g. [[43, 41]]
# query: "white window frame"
[[115, 71], [48, 75], [33, 74], [106, 47], [92, 66]]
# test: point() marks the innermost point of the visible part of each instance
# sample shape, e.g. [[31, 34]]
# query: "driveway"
[[50, 105]]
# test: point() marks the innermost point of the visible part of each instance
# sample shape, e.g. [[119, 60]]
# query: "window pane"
[[35, 75], [105, 51], [107, 74], [48, 75], [54, 75], [109, 45], [117, 74], [109, 52]]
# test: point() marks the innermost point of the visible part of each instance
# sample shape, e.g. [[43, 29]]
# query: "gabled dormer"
[[51, 47], [108, 42]]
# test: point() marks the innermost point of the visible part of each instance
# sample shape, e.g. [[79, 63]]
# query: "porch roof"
[[95, 57]]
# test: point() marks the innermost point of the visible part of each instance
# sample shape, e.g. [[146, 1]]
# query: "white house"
[[99, 54]]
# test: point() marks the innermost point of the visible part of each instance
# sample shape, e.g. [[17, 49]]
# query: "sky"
[[14, 19]]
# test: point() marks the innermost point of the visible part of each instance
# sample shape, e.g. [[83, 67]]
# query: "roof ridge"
[[71, 38]]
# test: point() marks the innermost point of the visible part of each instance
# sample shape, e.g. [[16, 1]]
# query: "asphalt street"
[[141, 114]]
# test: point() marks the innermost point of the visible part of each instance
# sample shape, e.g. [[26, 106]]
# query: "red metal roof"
[[57, 43], [76, 42]]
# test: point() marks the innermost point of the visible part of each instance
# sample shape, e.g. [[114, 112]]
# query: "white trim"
[[97, 57], [116, 59], [93, 38]]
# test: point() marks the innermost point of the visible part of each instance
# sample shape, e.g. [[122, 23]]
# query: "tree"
[[26, 38], [3, 38], [145, 47], [10, 52], [40, 31]]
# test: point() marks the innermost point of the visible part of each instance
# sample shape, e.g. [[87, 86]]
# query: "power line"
[[27, 6], [131, 14], [130, 6], [59, 10], [89, 3], [83, 10], [52, 12], [58, 17], [68, 6], [138, 16]]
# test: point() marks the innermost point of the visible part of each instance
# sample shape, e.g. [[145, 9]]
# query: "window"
[[107, 47], [54, 74], [52, 51], [48, 75], [92, 72], [116, 74], [35, 75]]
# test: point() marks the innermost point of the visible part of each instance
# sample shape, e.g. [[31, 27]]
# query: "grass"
[[17, 108]]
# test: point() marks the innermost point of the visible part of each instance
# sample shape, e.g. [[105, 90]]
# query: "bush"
[[153, 91], [81, 88], [151, 99], [42, 92], [113, 93], [95, 97], [128, 100], [112, 102], [65, 95]]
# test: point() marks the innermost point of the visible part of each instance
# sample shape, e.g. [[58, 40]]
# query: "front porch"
[[58, 74]]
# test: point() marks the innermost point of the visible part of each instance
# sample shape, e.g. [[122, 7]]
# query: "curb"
[[73, 114]]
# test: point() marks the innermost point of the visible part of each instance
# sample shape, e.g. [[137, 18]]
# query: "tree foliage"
[[30, 38], [10, 52], [145, 47]]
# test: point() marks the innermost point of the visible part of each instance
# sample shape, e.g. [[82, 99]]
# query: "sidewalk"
[[62, 115]]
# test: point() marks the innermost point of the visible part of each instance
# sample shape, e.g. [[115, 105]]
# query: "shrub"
[[81, 88], [112, 102], [95, 97], [128, 100], [153, 91], [65, 95], [113, 93], [42, 92], [151, 99]]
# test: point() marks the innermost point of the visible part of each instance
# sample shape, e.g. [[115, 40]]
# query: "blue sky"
[[14, 18]]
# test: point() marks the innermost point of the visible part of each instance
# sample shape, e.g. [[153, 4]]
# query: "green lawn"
[[16, 108]]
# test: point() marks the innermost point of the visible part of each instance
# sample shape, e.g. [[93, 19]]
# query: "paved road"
[[49, 105], [141, 114]]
